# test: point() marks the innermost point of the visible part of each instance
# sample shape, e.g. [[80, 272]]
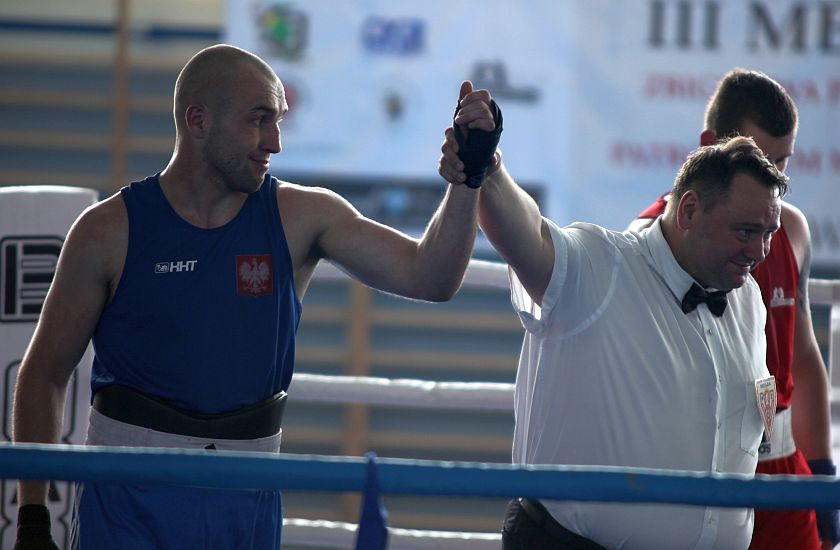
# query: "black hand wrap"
[[476, 150], [33, 529], [828, 522]]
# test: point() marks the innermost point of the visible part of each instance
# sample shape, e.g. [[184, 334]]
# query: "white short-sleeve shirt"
[[612, 372]]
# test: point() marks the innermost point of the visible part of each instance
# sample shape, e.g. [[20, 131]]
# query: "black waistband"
[[262, 419], [539, 515]]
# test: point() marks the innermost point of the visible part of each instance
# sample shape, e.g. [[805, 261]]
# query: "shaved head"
[[210, 77]]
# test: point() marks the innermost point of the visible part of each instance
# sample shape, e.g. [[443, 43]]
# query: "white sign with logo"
[[602, 100], [34, 221]]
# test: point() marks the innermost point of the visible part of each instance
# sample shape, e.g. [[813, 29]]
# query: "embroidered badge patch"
[[254, 275], [765, 394]]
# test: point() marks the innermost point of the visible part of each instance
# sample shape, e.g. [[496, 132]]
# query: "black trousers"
[[529, 526]]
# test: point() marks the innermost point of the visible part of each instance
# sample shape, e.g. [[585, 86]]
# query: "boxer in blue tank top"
[[204, 288], [189, 283]]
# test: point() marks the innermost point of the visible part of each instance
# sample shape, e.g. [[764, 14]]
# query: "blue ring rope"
[[237, 470]]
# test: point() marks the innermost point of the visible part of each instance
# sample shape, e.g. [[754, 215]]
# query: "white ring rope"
[[340, 535], [424, 394], [480, 273], [473, 395]]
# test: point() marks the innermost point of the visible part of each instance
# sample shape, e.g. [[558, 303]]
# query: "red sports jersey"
[[778, 278]]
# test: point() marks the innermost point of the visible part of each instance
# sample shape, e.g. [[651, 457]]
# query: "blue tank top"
[[203, 318]]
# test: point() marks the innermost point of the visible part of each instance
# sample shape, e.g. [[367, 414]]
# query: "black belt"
[[539, 515], [124, 404]]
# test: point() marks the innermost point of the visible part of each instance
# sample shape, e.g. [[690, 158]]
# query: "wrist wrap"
[[33, 519], [828, 521], [477, 148], [33, 528]]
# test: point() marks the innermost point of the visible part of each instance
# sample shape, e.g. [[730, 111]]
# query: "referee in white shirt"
[[641, 349]]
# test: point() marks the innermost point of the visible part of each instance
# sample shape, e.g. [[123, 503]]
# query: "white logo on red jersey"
[[254, 275], [779, 300]]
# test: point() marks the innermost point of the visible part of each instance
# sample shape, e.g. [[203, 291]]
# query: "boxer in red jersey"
[[752, 104]]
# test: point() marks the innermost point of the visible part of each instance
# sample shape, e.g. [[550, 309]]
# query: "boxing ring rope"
[[827, 293], [396, 392], [494, 396], [237, 470], [232, 470], [218, 469], [336, 534]]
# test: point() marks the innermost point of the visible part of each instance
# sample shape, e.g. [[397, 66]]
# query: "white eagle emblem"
[[255, 276]]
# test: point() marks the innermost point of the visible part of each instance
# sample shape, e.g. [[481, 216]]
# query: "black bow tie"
[[716, 301]]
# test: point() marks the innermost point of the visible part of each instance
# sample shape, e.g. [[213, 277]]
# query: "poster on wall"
[[645, 72], [602, 100]]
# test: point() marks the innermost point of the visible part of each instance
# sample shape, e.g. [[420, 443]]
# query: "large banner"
[[602, 99], [34, 221]]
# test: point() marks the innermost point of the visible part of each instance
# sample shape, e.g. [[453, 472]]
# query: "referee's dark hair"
[[709, 171]]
